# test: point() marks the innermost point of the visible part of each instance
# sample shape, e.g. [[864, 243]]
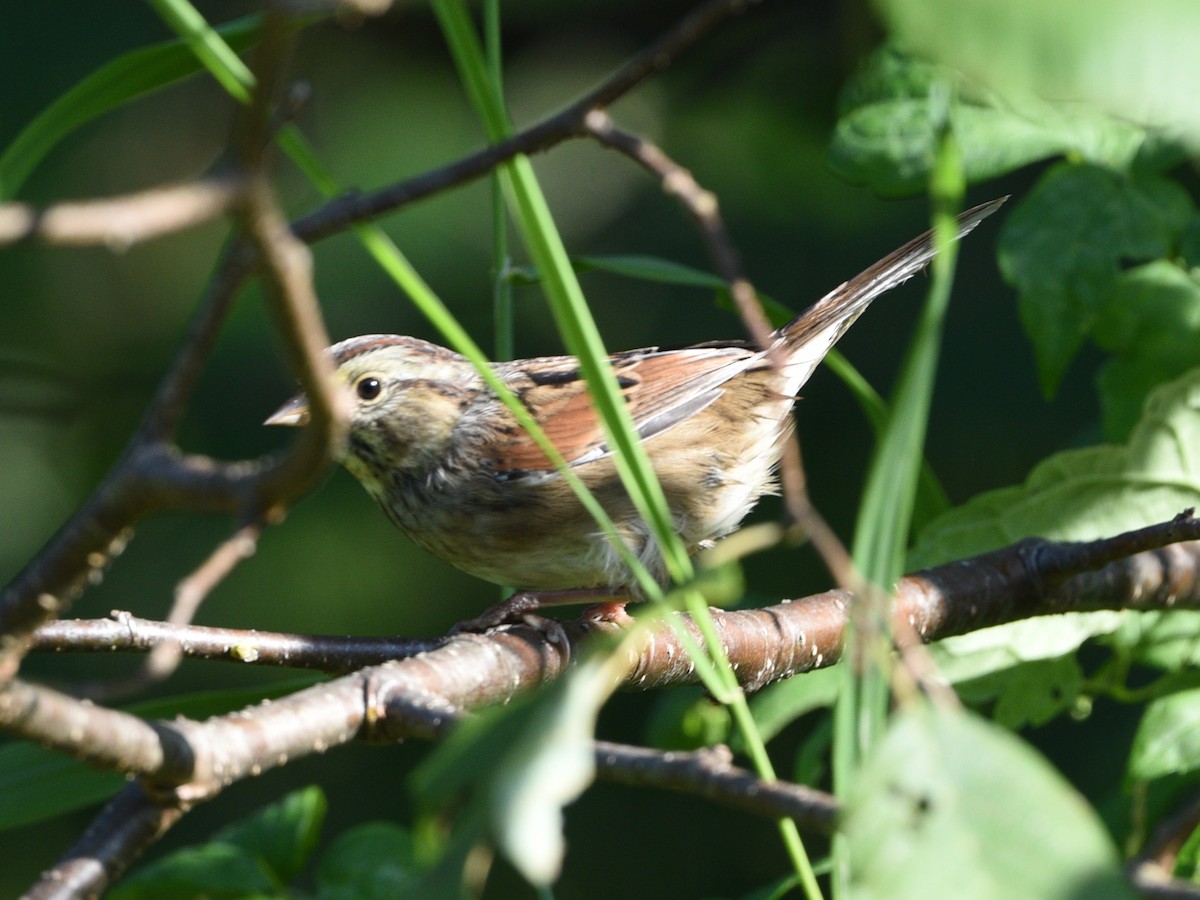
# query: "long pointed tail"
[[810, 335]]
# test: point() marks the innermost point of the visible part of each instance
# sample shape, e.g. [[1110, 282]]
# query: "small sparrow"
[[451, 467]]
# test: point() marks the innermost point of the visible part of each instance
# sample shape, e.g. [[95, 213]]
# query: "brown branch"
[[122, 222], [129, 823], [701, 205], [710, 773], [421, 695], [190, 593], [152, 474], [763, 644], [125, 633], [1033, 577], [1152, 871]]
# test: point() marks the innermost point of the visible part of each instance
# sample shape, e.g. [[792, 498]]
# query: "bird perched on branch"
[[450, 466]]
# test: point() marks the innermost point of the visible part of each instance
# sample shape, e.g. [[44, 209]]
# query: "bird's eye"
[[368, 388]]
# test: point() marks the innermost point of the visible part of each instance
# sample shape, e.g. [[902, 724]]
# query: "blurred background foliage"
[[85, 334]]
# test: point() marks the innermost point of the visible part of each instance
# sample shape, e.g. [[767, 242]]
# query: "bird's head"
[[406, 395]]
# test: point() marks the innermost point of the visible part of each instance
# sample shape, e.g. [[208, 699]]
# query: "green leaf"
[[550, 765], [1088, 493], [1063, 244], [887, 131], [1036, 692], [1152, 323], [686, 719], [1077, 495], [38, 784], [282, 834], [975, 656], [125, 78], [1168, 738], [1165, 640], [526, 762], [213, 870], [951, 806], [777, 706], [650, 268], [1187, 863], [1137, 61], [375, 861]]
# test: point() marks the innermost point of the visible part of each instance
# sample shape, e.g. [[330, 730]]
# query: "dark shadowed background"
[[85, 334]]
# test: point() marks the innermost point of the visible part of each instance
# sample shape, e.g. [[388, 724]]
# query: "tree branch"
[[420, 696], [121, 222]]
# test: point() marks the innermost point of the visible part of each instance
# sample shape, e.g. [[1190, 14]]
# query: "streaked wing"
[[661, 388]]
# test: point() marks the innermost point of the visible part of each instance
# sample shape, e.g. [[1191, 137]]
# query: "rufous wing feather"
[[661, 388]]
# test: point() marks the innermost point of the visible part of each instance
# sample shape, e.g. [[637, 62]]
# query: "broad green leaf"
[[213, 870], [38, 784], [1189, 242], [974, 657], [548, 767], [886, 133], [1088, 493], [1151, 323], [1063, 245], [125, 78], [1025, 668], [889, 146], [777, 706], [687, 719], [282, 834], [1165, 640], [1077, 495], [255, 857], [1036, 692], [811, 762], [1168, 738], [951, 806], [1136, 61], [375, 861], [524, 762]]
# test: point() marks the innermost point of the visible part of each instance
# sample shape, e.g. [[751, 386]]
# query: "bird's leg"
[[608, 604]]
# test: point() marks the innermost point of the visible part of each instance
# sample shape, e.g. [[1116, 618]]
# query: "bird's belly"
[[534, 534]]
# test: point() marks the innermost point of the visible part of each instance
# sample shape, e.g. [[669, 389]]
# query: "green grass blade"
[[567, 302], [885, 515]]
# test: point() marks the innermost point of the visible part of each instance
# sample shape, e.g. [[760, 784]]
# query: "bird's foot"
[[520, 606]]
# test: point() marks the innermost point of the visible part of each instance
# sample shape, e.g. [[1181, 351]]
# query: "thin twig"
[[710, 773], [704, 209], [420, 695], [126, 633], [337, 215], [776, 641], [121, 222], [129, 823], [152, 474], [190, 593]]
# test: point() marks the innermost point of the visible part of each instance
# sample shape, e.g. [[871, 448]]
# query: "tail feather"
[[810, 335]]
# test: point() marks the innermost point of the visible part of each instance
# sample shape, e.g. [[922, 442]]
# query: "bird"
[[450, 466]]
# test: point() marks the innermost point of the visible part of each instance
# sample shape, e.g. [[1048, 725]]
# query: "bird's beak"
[[294, 413]]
